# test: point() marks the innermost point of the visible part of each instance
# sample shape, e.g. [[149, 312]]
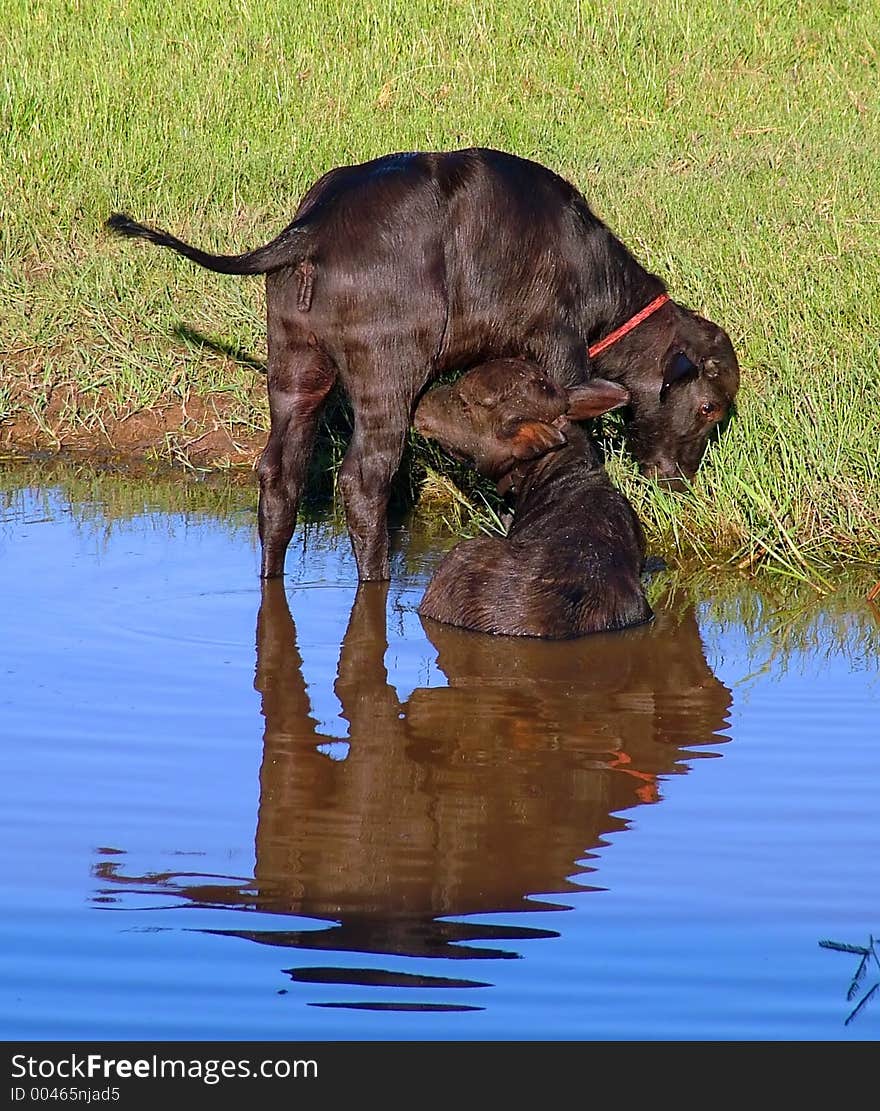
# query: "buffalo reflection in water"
[[484, 796]]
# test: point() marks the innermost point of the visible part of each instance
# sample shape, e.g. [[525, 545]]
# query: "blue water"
[[215, 828]]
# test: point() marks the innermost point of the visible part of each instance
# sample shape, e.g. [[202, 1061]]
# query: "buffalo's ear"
[[527, 439], [680, 367], [594, 398]]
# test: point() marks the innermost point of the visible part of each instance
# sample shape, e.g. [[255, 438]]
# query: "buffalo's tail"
[[285, 250]]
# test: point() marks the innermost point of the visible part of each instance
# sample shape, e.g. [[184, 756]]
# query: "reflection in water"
[[484, 796]]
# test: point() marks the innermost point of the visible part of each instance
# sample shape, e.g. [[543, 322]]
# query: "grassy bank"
[[735, 148], [784, 621]]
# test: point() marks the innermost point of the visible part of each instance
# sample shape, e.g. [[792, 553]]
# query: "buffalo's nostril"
[[669, 475]]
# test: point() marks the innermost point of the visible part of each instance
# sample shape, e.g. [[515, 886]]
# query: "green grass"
[[734, 148]]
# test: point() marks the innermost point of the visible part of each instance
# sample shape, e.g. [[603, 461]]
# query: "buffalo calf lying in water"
[[571, 561]]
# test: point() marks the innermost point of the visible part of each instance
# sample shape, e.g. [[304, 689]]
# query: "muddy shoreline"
[[196, 432]]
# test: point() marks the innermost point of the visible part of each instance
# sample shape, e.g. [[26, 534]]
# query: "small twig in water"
[[842, 947], [861, 1004], [865, 952], [857, 979]]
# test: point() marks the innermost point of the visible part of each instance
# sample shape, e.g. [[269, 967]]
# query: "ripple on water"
[[301, 812]]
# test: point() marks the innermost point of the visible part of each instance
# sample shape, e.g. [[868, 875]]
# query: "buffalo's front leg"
[[381, 420]]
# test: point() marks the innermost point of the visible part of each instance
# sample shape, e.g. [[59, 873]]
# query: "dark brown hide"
[[412, 265], [571, 561]]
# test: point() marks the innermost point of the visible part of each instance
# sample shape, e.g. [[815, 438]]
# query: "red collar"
[[633, 322]]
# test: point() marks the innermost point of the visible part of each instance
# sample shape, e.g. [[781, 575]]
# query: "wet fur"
[[571, 561]]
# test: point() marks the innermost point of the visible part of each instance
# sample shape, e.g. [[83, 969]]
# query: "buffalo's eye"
[[710, 410]]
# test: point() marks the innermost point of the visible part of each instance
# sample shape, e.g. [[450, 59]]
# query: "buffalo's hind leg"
[[381, 421], [299, 381]]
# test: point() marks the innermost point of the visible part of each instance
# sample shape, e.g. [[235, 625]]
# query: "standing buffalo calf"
[[403, 268], [571, 562]]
